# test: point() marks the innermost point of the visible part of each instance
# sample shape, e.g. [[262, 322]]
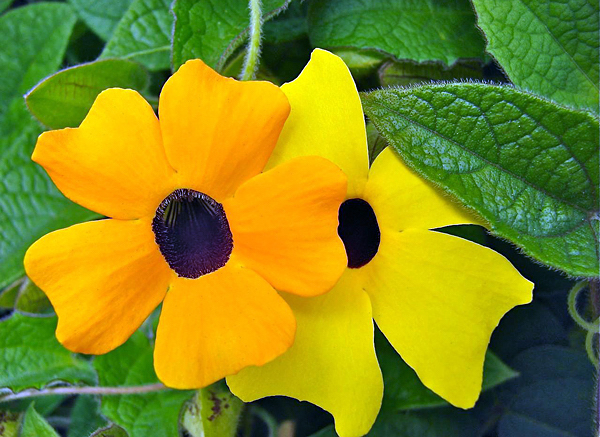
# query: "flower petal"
[[284, 225], [114, 163], [332, 363], [215, 325], [437, 298], [326, 119], [103, 279], [218, 132], [402, 200]]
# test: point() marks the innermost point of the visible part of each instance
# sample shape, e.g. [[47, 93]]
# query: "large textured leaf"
[[421, 30], [404, 390], [31, 357], [143, 35], [552, 397], [144, 414], [102, 17], [63, 99], [34, 40], [211, 30], [549, 47], [31, 206], [528, 166], [85, 417]]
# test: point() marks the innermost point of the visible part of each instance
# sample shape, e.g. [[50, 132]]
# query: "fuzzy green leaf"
[[31, 205], [85, 416], [420, 30], [143, 35], [31, 357], [140, 415], [4, 4], [74, 90], [110, 431], [550, 48], [35, 38], [211, 30], [34, 425], [528, 166], [102, 17]]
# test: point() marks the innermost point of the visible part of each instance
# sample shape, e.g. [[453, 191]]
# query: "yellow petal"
[[114, 163], [215, 325], [332, 363], [326, 119], [284, 225], [403, 200], [103, 279], [218, 132], [437, 298]]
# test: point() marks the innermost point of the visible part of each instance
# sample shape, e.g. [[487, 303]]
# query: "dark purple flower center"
[[359, 231], [192, 232]]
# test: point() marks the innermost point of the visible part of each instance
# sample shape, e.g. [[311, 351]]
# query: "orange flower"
[[193, 224]]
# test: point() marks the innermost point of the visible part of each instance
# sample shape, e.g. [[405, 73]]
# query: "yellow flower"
[[191, 213], [436, 297]]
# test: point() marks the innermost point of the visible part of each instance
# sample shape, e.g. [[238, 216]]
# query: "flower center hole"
[[359, 231], [192, 232]]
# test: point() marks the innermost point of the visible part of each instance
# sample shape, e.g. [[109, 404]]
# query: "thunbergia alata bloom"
[[193, 224], [436, 297]]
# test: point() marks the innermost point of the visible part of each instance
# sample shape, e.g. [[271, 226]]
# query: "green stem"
[[32, 393], [572, 305], [589, 347], [253, 50]]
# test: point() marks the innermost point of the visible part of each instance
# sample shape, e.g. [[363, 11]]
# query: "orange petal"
[[284, 225], [219, 132], [103, 279], [216, 325], [114, 163]]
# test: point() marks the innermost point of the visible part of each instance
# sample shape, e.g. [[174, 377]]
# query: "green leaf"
[[404, 390], [551, 408], [32, 300], [408, 73], [74, 90], [34, 425], [143, 35], [141, 415], [110, 431], [213, 412], [5, 4], [211, 30], [102, 17], [35, 39], [31, 357], [85, 417], [31, 205], [528, 166], [420, 30], [550, 48], [438, 422], [10, 423]]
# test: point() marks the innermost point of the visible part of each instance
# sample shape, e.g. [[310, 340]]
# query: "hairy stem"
[[31, 393], [253, 50]]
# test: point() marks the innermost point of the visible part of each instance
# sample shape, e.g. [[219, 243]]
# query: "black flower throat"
[[192, 232], [359, 232]]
